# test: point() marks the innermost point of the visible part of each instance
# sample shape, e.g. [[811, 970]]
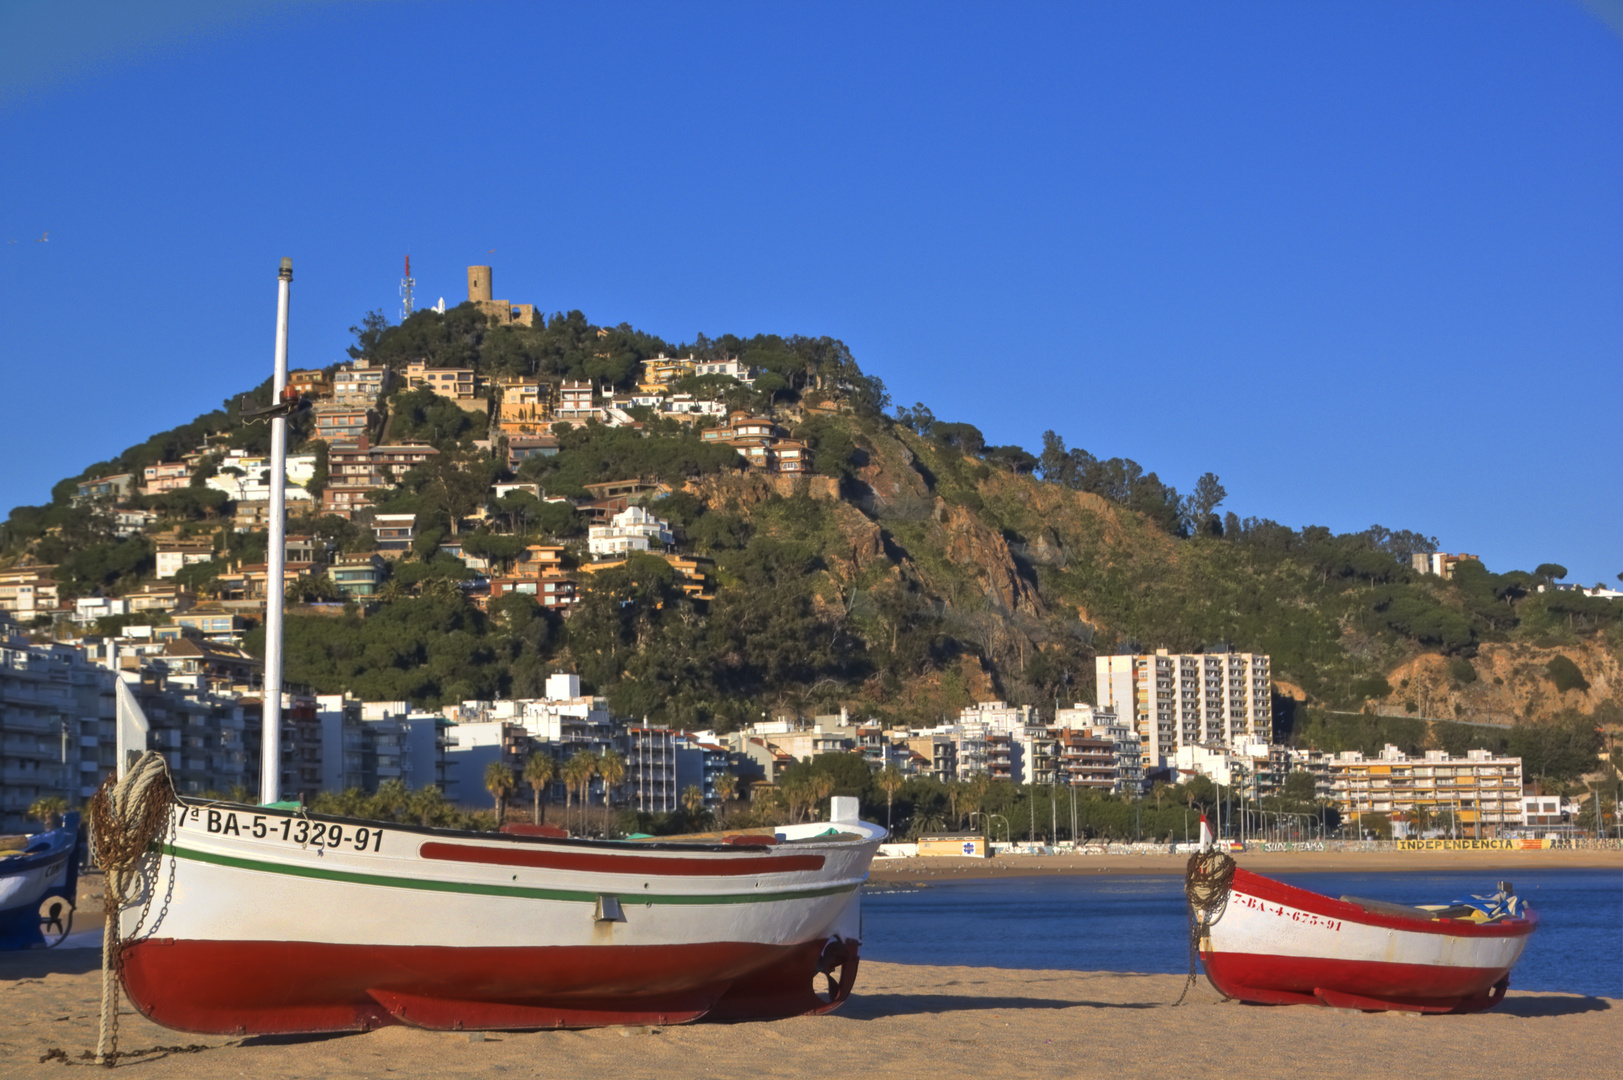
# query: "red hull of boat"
[[1298, 980], [260, 988], [1377, 979]]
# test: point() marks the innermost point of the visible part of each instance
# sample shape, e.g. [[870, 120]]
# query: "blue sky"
[[1364, 262]]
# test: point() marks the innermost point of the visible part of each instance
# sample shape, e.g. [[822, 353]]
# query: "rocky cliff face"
[[1511, 684]]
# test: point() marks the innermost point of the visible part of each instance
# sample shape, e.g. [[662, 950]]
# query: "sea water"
[[1138, 923]]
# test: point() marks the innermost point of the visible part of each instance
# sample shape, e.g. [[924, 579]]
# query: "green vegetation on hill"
[[941, 569]]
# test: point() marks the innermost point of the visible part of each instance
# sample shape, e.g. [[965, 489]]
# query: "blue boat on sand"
[[37, 881]]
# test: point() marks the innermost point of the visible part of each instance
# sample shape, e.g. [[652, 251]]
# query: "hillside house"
[[155, 596], [394, 532], [455, 383], [165, 476], [632, 529], [359, 382], [525, 407], [662, 370], [692, 572], [730, 368], [311, 383], [359, 575], [172, 556], [576, 403], [115, 489], [341, 423], [762, 444], [520, 448]]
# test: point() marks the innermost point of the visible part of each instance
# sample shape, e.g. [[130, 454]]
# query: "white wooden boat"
[[261, 920]]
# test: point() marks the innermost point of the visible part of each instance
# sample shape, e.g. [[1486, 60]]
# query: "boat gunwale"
[[1275, 891], [520, 839], [33, 860]]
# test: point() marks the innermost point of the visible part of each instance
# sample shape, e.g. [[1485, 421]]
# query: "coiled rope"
[[127, 818], [1207, 879]]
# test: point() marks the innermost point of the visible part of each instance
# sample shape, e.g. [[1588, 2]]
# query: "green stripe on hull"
[[519, 891]]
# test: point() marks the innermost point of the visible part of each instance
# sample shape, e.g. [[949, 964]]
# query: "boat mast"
[[270, 731]]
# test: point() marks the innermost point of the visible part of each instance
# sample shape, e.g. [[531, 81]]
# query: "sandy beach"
[[903, 1021]]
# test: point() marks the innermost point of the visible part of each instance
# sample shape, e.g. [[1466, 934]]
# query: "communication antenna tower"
[[405, 292]]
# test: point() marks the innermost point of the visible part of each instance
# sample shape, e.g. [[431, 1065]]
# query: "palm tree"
[[611, 766], [890, 781], [796, 792], [693, 800], [48, 810], [499, 781], [427, 804], [578, 772], [394, 796], [822, 786], [726, 787], [539, 771]]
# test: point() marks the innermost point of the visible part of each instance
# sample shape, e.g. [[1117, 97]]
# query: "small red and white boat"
[[1276, 944]]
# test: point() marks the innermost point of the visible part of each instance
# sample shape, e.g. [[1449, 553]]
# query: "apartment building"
[[1126, 750], [360, 464], [1172, 700], [56, 726], [365, 744], [662, 763], [1480, 790], [1086, 760], [26, 592]]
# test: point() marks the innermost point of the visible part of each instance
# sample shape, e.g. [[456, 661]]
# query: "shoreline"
[[1262, 862]]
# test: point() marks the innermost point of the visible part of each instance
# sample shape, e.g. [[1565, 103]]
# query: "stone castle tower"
[[479, 284], [497, 312]]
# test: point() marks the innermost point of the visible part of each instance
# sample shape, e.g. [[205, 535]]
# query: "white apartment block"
[[1102, 723], [1477, 789], [1175, 700], [1001, 717]]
